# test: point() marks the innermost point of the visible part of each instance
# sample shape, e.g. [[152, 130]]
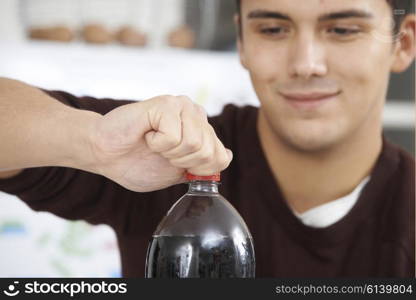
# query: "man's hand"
[[149, 145], [143, 146]]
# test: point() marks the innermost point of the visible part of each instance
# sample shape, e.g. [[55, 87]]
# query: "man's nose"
[[307, 58]]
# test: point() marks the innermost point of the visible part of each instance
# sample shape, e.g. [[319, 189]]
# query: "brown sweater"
[[375, 239]]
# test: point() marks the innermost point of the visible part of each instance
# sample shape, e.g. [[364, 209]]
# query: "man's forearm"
[[37, 130]]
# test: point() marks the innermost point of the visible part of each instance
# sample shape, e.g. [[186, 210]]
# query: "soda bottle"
[[201, 236]]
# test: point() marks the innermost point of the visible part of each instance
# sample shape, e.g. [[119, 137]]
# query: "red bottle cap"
[[191, 177]]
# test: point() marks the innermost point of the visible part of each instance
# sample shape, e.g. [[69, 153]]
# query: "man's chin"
[[310, 143]]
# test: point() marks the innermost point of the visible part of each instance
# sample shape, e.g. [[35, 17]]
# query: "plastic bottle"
[[202, 236]]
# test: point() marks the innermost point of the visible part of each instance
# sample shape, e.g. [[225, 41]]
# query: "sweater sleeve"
[[70, 193]]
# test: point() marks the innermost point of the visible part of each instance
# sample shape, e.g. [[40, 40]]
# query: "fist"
[[149, 145]]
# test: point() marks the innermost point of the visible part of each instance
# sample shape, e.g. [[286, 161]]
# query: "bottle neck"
[[201, 186]]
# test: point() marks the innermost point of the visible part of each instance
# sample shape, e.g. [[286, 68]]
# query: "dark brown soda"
[[194, 257]]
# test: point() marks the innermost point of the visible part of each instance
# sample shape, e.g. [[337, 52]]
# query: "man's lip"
[[309, 96]]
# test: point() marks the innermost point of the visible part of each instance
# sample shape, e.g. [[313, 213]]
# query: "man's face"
[[319, 67]]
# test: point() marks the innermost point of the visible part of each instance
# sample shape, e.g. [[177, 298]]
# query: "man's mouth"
[[315, 96], [309, 100]]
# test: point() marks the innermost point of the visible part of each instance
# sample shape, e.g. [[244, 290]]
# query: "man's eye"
[[272, 30], [340, 31]]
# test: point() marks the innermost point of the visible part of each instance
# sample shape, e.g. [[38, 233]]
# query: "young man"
[[324, 195]]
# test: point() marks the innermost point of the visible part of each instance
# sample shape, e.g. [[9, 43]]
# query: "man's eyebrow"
[[345, 14], [351, 13], [266, 14]]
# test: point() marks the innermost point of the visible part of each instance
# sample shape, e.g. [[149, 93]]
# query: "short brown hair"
[[400, 8]]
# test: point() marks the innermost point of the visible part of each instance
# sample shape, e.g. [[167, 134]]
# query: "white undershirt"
[[329, 213]]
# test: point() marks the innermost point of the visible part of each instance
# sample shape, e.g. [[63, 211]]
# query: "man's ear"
[[405, 49], [240, 45]]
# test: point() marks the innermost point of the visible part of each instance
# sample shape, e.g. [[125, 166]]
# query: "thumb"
[[166, 133]]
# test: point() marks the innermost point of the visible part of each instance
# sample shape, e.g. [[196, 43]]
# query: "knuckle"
[[172, 141], [163, 99], [166, 97], [211, 130], [206, 156], [177, 163], [200, 109], [168, 102], [192, 145], [176, 103], [223, 163], [185, 100], [172, 102]]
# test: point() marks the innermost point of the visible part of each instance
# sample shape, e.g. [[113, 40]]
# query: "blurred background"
[[126, 49]]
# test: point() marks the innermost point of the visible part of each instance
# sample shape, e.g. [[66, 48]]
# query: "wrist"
[[80, 132]]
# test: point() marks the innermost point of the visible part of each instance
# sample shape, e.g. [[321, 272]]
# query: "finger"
[[202, 112], [230, 154], [167, 129], [192, 134], [212, 158], [221, 161], [201, 157]]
